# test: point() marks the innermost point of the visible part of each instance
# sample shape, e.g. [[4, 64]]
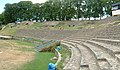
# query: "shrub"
[[51, 47]]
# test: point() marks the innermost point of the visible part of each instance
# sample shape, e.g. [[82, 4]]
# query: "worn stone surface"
[[99, 48], [74, 62]]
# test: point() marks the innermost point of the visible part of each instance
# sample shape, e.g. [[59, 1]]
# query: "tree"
[[2, 18], [57, 10], [25, 10]]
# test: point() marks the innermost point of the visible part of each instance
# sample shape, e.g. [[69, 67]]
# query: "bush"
[[51, 47]]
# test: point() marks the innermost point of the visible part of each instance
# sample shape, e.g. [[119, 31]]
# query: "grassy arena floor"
[[20, 55], [25, 58], [40, 62], [42, 59]]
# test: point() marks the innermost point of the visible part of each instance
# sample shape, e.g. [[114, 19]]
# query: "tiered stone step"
[[109, 32], [46, 34], [74, 62], [114, 48], [89, 60], [75, 38], [84, 34], [109, 37], [102, 62], [108, 41], [103, 53], [59, 34]]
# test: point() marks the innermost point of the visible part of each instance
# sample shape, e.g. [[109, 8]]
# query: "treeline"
[[57, 10]]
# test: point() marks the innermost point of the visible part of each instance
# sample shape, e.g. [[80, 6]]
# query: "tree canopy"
[[56, 10]]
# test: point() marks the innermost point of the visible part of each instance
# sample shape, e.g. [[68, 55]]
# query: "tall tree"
[[53, 10], [2, 19]]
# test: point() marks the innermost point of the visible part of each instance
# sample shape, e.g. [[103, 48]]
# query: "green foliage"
[[21, 10], [2, 19], [57, 10], [50, 47]]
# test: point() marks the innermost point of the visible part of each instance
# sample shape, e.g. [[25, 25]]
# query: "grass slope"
[[11, 31]]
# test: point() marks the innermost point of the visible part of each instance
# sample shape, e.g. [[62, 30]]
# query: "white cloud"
[[37, 1]]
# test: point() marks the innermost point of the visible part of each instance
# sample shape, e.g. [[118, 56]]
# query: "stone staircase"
[[45, 34], [94, 55], [74, 62], [97, 51]]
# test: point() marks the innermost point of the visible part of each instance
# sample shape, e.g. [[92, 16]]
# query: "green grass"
[[63, 27], [30, 44], [64, 53], [37, 25], [85, 26], [8, 31], [24, 43], [41, 59], [33, 26], [40, 62], [12, 31]]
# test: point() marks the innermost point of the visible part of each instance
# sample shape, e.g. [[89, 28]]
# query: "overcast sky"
[[3, 2]]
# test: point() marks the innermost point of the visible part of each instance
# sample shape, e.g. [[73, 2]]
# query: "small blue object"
[[58, 48], [51, 66]]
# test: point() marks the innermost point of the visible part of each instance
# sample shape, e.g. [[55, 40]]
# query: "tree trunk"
[[89, 18]]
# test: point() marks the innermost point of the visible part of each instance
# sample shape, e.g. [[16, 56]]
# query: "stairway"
[[74, 61], [96, 53]]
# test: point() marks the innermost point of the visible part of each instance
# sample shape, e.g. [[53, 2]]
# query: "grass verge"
[[64, 53]]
